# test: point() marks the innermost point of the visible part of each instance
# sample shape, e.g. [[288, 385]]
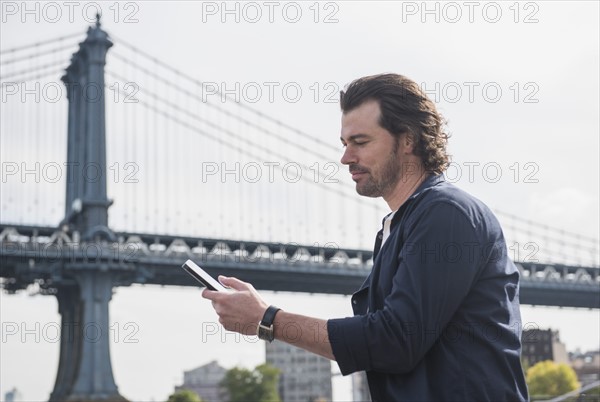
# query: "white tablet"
[[203, 277]]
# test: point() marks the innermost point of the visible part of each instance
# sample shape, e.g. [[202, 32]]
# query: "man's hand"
[[240, 310]]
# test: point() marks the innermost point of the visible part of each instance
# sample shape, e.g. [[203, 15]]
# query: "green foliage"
[[551, 379], [184, 395], [258, 385]]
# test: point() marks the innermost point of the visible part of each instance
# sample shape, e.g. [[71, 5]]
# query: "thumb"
[[234, 283]]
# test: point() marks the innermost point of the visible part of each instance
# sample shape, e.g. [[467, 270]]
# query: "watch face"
[[265, 333]]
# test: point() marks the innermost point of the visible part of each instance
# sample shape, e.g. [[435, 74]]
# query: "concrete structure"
[[84, 369], [206, 382], [304, 375], [540, 345]]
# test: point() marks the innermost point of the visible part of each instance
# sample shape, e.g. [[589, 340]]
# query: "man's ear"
[[408, 142]]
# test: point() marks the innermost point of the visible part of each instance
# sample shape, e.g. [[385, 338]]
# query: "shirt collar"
[[431, 181]]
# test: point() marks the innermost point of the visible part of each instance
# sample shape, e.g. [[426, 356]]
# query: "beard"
[[383, 181]]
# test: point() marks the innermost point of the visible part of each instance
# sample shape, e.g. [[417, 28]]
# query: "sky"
[[517, 81]]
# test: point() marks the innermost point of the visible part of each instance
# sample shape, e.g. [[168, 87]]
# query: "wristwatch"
[[265, 326]]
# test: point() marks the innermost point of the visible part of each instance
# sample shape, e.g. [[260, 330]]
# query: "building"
[[304, 376], [539, 345], [206, 382], [360, 387], [587, 366]]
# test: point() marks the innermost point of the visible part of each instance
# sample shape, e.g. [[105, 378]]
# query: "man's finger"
[[210, 294], [233, 283]]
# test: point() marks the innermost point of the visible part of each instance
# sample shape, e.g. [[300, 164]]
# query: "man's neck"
[[405, 187]]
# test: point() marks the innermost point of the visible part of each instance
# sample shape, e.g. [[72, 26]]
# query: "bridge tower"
[[84, 291]]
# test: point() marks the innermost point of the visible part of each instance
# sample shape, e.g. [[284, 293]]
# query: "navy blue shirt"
[[438, 317]]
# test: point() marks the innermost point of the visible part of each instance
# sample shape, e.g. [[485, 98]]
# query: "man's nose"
[[348, 157]]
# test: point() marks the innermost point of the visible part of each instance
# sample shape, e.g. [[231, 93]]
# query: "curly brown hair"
[[404, 109]]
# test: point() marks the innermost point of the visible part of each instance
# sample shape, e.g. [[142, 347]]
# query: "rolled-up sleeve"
[[348, 343], [436, 266]]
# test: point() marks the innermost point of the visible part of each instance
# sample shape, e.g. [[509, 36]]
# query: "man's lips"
[[357, 173]]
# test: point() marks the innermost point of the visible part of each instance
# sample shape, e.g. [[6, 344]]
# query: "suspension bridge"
[[189, 171]]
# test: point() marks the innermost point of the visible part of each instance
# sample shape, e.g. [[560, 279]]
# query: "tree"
[[258, 385], [184, 395], [551, 379]]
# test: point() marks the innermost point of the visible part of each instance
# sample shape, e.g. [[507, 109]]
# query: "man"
[[438, 317]]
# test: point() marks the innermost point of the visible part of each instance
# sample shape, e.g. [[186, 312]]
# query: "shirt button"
[[353, 301]]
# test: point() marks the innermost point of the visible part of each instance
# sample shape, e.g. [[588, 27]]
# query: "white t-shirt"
[[387, 223]]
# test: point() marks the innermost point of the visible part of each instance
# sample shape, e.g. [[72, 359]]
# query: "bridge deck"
[[47, 256]]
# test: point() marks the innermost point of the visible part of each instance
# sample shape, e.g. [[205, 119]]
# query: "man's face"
[[372, 153]]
